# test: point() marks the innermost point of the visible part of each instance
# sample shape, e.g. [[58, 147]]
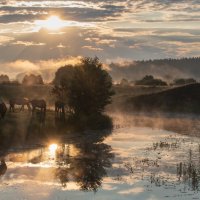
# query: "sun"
[[52, 23]]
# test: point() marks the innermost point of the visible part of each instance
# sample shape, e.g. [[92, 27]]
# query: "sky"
[[41, 34]]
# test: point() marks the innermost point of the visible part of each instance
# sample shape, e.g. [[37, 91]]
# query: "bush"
[[182, 81], [149, 80]]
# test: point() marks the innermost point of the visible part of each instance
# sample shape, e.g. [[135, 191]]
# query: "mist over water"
[[143, 155]]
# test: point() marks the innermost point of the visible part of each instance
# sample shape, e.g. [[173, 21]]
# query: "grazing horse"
[[19, 101], [59, 107], [3, 167], [3, 109], [39, 103]]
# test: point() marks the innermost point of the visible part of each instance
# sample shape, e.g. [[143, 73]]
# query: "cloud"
[[61, 46], [28, 43], [110, 29], [87, 14], [132, 43], [94, 11], [5, 39], [183, 49], [92, 48]]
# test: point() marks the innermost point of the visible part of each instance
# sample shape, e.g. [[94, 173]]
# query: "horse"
[[3, 109], [3, 167], [59, 107], [38, 103], [19, 101]]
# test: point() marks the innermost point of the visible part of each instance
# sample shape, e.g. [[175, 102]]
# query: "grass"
[[44, 92], [32, 92], [185, 99]]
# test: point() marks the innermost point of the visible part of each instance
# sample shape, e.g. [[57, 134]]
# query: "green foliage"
[[150, 81], [86, 87], [182, 81], [184, 99]]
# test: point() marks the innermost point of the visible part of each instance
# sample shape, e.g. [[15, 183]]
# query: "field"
[[44, 92], [183, 99]]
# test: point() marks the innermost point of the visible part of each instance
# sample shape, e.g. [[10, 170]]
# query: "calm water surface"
[[133, 162]]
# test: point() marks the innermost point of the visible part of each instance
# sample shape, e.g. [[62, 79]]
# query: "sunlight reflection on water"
[[52, 150]]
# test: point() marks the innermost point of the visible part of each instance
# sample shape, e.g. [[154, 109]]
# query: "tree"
[[183, 81], [85, 87], [124, 82], [4, 78], [149, 80], [32, 80]]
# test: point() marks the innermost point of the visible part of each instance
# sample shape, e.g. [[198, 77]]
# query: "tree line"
[[150, 80], [28, 80], [167, 69]]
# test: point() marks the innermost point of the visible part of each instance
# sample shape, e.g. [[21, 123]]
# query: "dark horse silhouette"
[[3, 167], [19, 101], [38, 103], [59, 107], [3, 109]]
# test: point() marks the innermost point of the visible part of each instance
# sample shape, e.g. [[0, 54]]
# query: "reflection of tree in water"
[[3, 167], [20, 128], [36, 127], [95, 158], [88, 168]]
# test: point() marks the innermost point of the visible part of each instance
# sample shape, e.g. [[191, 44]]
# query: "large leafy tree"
[[85, 87]]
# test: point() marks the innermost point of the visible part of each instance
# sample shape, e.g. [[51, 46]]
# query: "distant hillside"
[[185, 99], [166, 69]]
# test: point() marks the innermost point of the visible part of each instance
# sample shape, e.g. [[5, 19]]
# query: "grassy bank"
[[44, 92], [184, 99]]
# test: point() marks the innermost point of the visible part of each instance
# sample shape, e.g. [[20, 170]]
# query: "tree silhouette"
[[32, 80], [183, 81], [150, 81], [86, 87], [4, 78]]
